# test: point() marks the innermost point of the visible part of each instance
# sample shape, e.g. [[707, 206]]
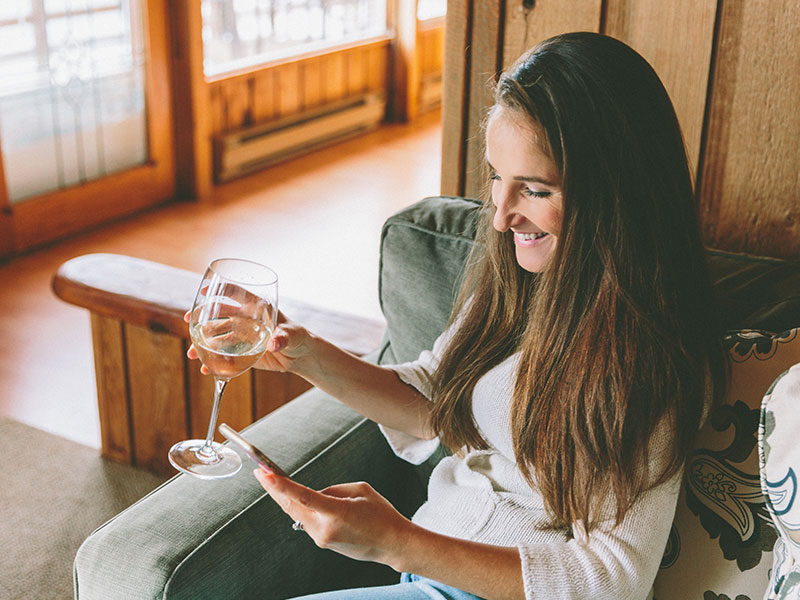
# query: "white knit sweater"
[[483, 497]]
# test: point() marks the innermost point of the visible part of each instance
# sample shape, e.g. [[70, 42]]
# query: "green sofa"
[[192, 539]]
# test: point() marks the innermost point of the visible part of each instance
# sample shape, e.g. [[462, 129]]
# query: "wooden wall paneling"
[[525, 27], [216, 104], [312, 82], [377, 62], [455, 95], [238, 103], [157, 384], [236, 408], [485, 62], [749, 180], [430, 41], [108, 343], [289, 89], [354, 68], [263, 108], [677, 39], [334, 79]]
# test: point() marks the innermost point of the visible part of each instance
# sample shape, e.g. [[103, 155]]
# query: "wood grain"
[[110, 365], [289, 89], [7, 242], [485, 65], [193, 122], [749, 181], [677, 39], [156, 380], [406, 69], [455, 95], [525, 27]]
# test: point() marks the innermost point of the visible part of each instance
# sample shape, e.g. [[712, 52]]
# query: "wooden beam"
[[191, 103], [455, 95], [485, 64], [749, 182], [7, 242], [406, 64]]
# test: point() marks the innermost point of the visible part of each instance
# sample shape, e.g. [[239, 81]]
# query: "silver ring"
[[297, 526]]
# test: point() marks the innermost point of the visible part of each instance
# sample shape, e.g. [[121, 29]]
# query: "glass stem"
[[219, 388]]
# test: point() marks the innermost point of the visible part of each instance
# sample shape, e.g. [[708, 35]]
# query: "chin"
[[533, 264]]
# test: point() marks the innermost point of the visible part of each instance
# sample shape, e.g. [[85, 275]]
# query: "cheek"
[[548, 218]]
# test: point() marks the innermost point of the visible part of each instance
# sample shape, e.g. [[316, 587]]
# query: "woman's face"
[[526, 187]]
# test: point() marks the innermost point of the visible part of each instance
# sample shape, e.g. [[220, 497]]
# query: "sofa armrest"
[[227, 539]]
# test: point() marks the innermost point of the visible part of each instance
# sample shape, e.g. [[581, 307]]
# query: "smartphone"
[[251, 451]]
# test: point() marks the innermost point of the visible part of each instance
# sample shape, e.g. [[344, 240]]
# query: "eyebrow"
[[528, 178]]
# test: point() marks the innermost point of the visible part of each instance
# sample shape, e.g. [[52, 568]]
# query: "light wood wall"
[[289, 87], [731, 70]]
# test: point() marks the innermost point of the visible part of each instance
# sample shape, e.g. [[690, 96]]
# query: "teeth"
[[531, 236]]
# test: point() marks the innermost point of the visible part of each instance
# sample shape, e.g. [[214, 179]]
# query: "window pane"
[[241, 33], [431, 9], [72, 101]]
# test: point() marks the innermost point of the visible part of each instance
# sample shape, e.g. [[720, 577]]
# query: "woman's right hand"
[[288, 343]]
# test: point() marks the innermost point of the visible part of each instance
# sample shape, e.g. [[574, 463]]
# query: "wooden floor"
[[316, 220]]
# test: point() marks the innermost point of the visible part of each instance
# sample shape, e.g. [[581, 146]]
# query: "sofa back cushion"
[[423, 251]]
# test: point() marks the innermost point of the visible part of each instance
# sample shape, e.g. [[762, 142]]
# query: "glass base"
[[221, 462]]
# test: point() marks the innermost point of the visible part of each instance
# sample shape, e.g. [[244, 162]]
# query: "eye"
[[536, 193], [494, 176]]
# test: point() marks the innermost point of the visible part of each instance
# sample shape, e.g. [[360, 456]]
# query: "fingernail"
[[264, 474]]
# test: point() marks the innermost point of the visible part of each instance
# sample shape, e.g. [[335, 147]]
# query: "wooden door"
[[101, 184]]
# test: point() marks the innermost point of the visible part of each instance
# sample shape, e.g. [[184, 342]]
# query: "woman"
[[581, 358]]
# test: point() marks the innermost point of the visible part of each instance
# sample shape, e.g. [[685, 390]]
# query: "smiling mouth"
[[527, 237]]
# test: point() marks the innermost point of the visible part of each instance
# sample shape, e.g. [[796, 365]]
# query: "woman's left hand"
[[350, 518]]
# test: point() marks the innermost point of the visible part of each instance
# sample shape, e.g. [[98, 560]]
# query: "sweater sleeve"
[[419, 375], [618, 562]]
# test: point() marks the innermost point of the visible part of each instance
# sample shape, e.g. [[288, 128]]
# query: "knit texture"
[[482, 496]]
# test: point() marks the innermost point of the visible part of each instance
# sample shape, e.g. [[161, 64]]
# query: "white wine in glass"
[[232, 319]]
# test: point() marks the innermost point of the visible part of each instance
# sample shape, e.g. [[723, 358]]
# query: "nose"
[[504, 215]]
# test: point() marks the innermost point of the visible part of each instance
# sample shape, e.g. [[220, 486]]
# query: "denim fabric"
[[411, 587]]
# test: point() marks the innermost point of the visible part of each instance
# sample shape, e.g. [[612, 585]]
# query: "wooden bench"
[[149, 394]]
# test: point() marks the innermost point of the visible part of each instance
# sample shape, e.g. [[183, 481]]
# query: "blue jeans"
[[411, 587]]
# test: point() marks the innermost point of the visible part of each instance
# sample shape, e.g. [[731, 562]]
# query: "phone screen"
[[249, 449]]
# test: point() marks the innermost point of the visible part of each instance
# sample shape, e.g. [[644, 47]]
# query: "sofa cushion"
[[423, 251], [721, 541], [198, 540], [780, 464]]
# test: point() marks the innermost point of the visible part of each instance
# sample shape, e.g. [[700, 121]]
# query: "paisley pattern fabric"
[[779, 458], [722, 538]]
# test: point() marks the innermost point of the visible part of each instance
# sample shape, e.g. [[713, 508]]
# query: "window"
[[242, 33], [71, 92], [431, 9]]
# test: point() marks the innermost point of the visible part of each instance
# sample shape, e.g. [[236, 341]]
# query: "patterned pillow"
[[779, 454], [720, 546]]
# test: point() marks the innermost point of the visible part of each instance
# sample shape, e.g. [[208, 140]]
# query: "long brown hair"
[[619, 333]]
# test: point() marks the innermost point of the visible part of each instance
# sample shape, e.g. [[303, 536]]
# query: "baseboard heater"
[[252, 148]]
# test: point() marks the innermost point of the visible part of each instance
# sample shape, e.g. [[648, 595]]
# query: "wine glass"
[[232, 319]]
